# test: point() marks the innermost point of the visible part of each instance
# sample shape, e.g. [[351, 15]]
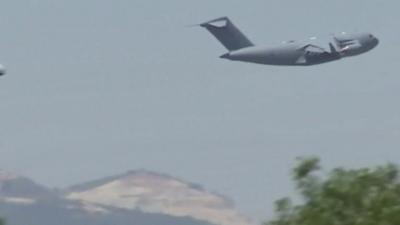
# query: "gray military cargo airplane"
[[291, 53]]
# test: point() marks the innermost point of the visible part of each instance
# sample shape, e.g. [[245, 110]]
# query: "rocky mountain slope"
[[137, 197], [157, 193]]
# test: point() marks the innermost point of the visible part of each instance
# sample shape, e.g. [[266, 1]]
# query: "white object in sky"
[[2, 70]]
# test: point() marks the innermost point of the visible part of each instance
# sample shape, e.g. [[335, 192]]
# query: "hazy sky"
[[100, 87]]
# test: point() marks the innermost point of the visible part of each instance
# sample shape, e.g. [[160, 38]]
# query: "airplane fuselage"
[[280, 55], [288, 54], [285, 55]]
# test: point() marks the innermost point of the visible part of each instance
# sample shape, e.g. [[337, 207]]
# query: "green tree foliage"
[[369, 196], [2, 222]]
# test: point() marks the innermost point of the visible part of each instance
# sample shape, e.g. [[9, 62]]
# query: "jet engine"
[[352, 49]]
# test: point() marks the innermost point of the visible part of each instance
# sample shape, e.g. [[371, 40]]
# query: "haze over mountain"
[[137, 197]]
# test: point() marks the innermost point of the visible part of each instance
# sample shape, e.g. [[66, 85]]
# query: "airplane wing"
[[316, 49], [313, 48], [318, 44], [314, 53]]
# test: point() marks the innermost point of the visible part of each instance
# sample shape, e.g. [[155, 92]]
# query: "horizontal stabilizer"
[[219, 22], [227, 33]]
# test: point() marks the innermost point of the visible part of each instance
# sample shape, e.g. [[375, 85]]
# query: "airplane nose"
[[376, 42]]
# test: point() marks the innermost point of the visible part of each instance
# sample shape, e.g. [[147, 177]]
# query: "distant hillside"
[[14, 185], [157, 193], [52, 213], [137, 197]]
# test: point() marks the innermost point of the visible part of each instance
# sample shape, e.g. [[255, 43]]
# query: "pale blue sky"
[[99, 87]]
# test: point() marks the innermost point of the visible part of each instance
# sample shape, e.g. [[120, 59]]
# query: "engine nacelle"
[[351, 50]]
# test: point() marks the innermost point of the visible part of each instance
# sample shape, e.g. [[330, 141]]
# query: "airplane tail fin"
[[227, 33]]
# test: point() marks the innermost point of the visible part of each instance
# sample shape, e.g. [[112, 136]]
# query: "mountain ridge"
[[137, 192]]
